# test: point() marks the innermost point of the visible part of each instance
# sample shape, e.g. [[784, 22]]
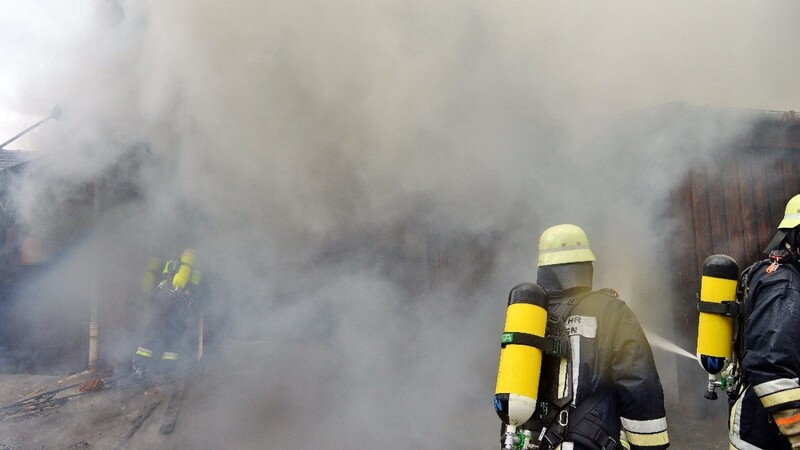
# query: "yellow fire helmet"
[[791, 218], [564, 244]]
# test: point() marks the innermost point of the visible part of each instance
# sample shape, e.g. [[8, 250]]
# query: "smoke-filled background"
[[365, 181]]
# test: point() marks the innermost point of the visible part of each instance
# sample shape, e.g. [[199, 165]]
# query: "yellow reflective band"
[[623, 439], [780, 398], [771, 387], [141, 351], [565, 248], [648, 440], [169, 356], [562, 378], [644, 426]]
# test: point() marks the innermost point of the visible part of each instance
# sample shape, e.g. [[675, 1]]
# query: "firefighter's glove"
[[788, 422]]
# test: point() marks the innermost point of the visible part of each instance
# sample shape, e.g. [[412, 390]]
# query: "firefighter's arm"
[[788, 422], [637, 385], [773, 358]]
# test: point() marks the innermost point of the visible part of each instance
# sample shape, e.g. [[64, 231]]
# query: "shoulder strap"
[[563, 310], [566, 421], [559, 345]]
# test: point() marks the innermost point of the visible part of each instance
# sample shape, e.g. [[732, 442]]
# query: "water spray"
[[54, 114], [664, 344]]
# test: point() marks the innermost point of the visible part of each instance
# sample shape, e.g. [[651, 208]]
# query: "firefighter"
[[766, 414], [171, 331], [604, 392]]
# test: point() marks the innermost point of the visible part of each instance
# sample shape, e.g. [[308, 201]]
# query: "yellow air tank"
[[184, 271], [521, 354], [717, 307]]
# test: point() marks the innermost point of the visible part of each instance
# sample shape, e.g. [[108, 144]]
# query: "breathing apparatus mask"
[[792, 240], [559, 278]]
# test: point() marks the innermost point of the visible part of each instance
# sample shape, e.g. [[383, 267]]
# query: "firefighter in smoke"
[[602, 390], [766, 414], [176, 293]]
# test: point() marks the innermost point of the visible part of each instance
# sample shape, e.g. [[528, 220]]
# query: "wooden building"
[[26, 255], [730, 205]]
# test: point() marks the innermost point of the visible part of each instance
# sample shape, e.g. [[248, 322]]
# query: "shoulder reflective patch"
[[585, 326]]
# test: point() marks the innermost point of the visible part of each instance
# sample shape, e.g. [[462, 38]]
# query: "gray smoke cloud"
[[366, 182]]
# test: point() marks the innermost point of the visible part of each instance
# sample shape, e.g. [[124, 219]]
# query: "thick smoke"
[[365, 182]]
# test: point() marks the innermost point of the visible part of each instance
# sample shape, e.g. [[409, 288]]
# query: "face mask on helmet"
[[558, 278], [792, 240]]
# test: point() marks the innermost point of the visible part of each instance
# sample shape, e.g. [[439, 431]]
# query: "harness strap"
[[595, 433], [558, 430], [552, 345], [725, 308]]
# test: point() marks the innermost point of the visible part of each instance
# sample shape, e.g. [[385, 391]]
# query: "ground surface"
[[98, 420], [86, 420], [696, 433]]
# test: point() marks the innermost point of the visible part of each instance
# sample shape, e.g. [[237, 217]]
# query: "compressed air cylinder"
[[184, 271], [520, 358], [715, 329]]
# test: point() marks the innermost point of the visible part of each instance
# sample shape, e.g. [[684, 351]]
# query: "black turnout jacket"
[[770, 364], [611, 360]]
